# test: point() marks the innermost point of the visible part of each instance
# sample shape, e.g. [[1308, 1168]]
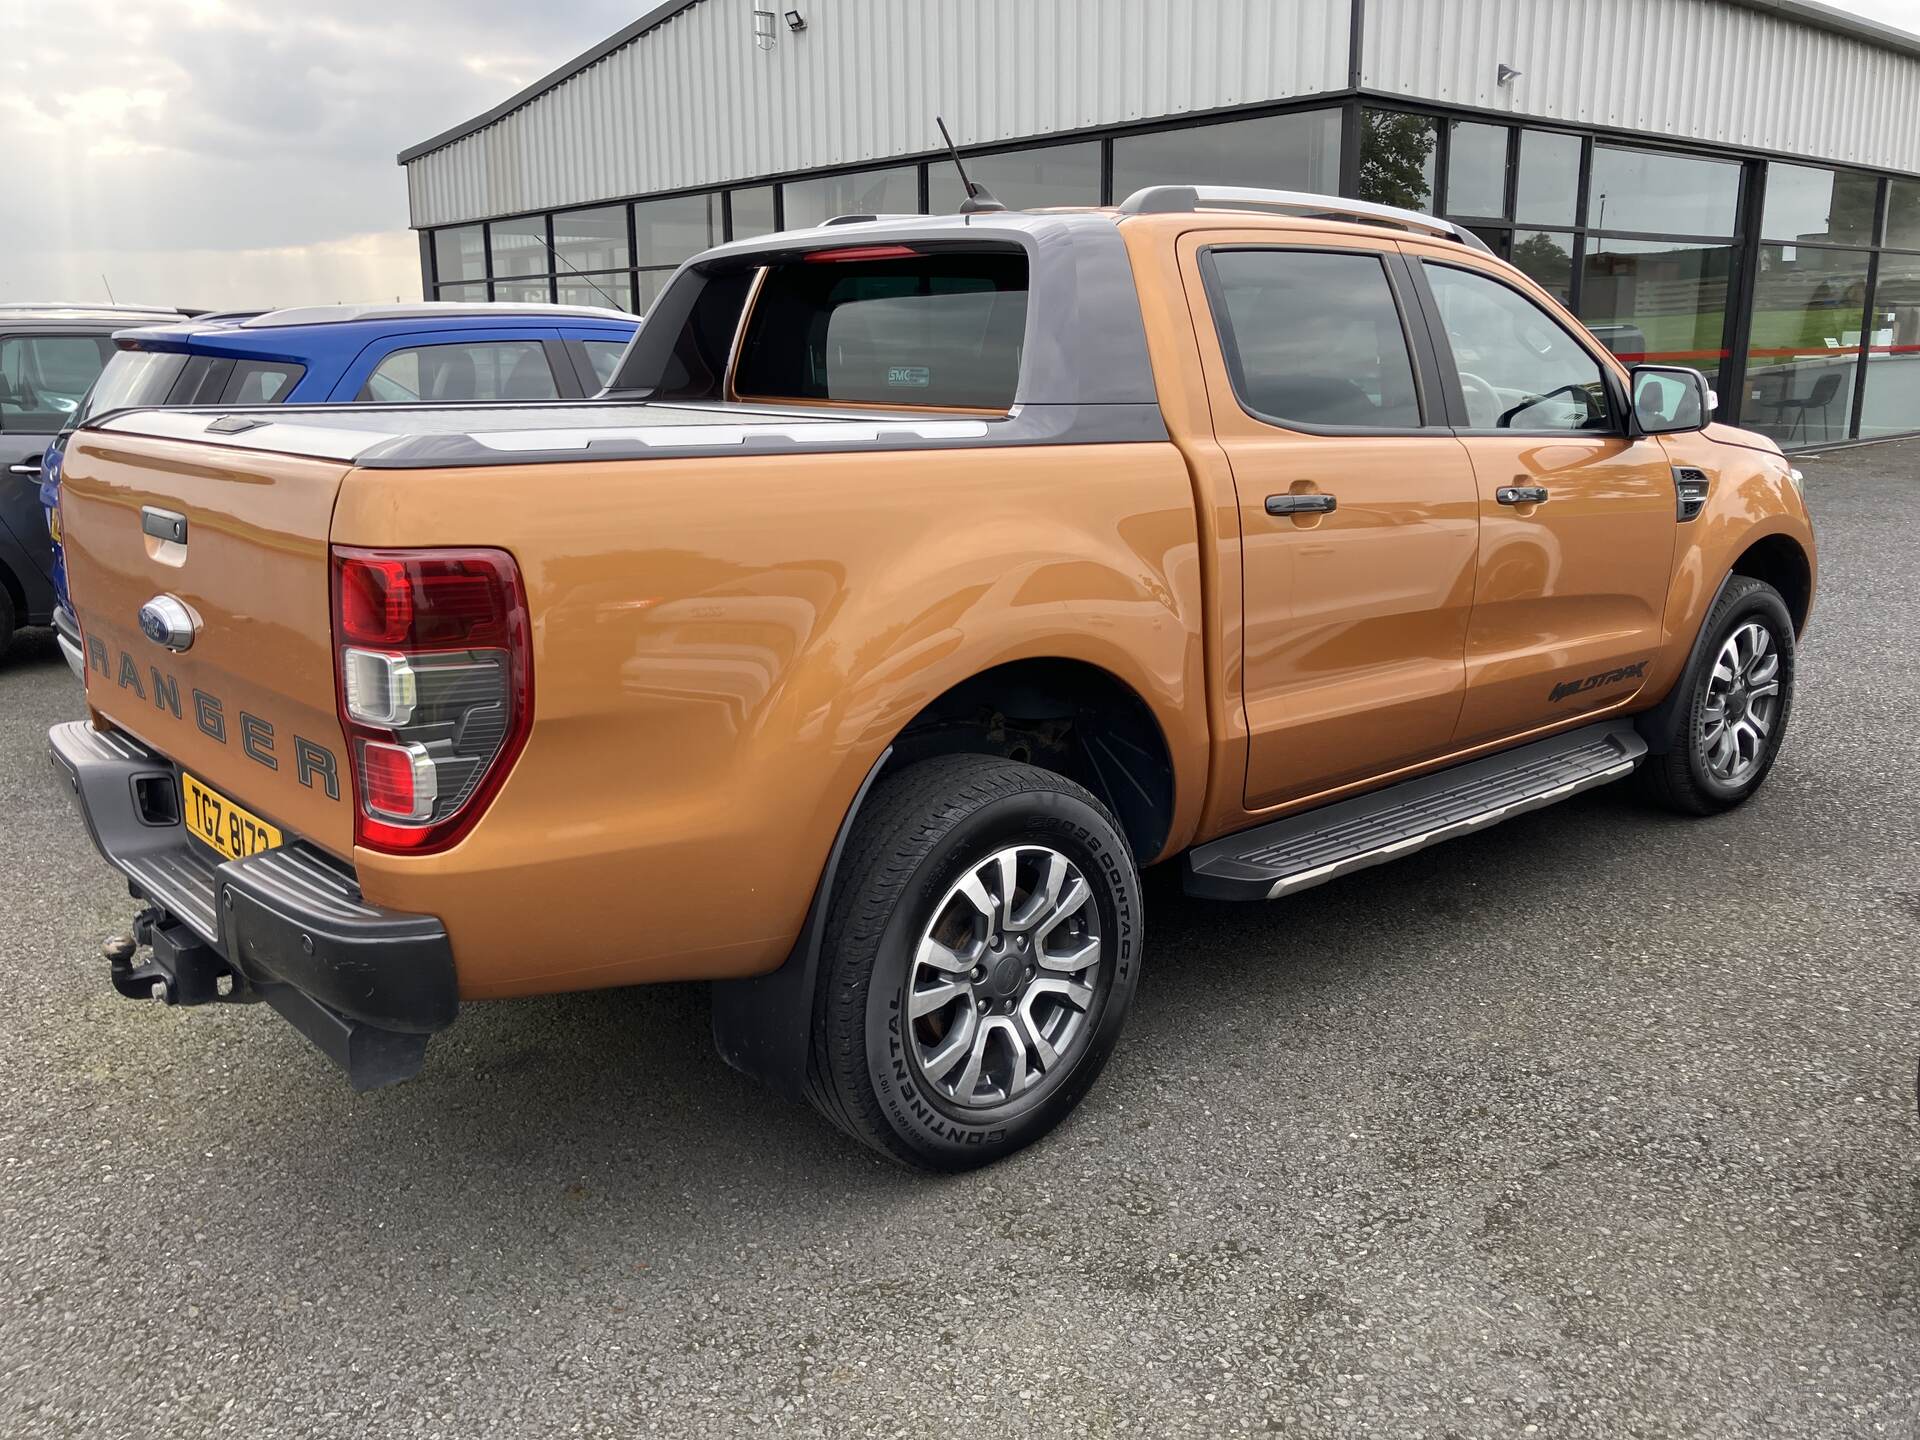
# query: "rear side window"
[[262, 382], [604, 356], [1314, 338], [888, 325], [491, 370], [43, 378]]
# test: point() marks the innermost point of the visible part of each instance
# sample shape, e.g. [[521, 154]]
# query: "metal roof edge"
[[1817, 16], [652, 20]]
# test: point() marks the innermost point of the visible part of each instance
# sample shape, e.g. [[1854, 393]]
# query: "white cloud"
[[215, 152]]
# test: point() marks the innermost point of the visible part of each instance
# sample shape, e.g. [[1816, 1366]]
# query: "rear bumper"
[[365, 984], [67, 630]]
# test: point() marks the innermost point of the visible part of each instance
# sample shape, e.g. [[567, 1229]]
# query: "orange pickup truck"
[[917, 581]]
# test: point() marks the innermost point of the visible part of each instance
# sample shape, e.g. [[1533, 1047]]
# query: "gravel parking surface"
[[1597, 1124]]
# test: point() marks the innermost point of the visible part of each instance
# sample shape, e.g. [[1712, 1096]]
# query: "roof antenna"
[[979, 199]]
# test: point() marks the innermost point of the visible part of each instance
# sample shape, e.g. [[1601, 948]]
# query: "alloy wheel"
[[1005, 976], [1742, 704]]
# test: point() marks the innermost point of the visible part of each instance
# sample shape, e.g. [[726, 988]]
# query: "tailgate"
[[249, 706]]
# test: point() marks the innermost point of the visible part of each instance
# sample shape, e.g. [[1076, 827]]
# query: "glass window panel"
[[1892, 404], [604, 357], [459, 253], [1903, 214], [591, 239], [521, 292], [1664, 193], [1808, 204], [1659, 300], [1548, 190], [1548, 259], [1397, 158], [1290, 152], [1315, 339], [933, 330], [1477, 170], [1803, 358], [43, 379], [647, 286], [894, 191], [463, 294], [495, 370], [520, 246], [665, 232], [753, 212], [1022, 179], [1519, 368], [261, 382], [614, 292]]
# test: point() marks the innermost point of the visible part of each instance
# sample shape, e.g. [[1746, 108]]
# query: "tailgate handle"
[[163, 524]]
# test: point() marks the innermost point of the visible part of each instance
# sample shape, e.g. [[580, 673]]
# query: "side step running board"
[[1319, 845]]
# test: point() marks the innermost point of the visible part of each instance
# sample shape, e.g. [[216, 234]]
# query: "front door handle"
[[1301, 504], [1521, 494]]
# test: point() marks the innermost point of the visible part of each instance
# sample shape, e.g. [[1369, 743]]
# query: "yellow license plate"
[[235, 831], [53, 526]]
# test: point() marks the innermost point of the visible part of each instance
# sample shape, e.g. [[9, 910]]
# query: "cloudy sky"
[[226, 153]]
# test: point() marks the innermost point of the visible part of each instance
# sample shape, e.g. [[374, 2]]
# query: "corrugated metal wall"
[[1684, 69], [695, 102]]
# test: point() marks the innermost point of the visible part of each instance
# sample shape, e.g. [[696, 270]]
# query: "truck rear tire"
[[1726, 732], [981, 952]]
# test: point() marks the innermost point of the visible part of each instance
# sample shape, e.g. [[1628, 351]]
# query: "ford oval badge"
[[166, 621]]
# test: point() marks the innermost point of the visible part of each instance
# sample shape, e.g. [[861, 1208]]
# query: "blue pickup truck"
[[336, 354]]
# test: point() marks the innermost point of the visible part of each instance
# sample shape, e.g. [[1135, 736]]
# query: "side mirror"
[[1668, 399]]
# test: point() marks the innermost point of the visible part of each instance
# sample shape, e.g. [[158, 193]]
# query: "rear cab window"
[[892, 325]]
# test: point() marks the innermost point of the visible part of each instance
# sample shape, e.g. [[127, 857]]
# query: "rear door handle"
[[1521, 494], [1301, 504], [31, 470]]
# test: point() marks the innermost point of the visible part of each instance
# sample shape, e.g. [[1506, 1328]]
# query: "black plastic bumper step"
[[1319, 845]]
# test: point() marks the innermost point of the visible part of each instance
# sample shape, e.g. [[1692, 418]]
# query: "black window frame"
[[1418, 342], [1455, 396]]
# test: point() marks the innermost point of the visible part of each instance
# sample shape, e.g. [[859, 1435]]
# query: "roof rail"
[[1178, 199]]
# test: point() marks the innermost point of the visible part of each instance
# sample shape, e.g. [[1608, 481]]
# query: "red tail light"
[[434, 675]]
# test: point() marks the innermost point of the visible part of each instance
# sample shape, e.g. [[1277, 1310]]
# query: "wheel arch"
[[1783, 563]]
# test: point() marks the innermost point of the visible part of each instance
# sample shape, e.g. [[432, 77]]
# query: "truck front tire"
[[981, 952], [1726, 732]]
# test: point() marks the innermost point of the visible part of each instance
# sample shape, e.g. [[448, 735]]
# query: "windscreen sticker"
[[914, 377]]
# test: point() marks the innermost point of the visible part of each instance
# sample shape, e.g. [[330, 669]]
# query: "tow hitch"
[[182, 969]]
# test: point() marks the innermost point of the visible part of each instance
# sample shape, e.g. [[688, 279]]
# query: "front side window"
[[43, 378], [1314, 338], [1519, 370], [493, 370], [936, 330]]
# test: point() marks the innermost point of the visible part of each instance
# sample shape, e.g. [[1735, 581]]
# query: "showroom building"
[[1733, 184]]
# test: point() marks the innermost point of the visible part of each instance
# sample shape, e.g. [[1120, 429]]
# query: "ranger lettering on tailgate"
[[314, 763]]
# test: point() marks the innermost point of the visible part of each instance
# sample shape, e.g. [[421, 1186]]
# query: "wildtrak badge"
[[1635, 671]]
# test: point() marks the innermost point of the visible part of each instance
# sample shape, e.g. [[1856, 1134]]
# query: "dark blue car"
[[336, 354]]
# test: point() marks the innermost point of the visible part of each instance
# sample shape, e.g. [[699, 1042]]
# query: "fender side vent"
[[1690, 491]]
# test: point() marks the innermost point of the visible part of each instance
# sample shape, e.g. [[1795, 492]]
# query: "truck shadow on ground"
[[616, 1104]]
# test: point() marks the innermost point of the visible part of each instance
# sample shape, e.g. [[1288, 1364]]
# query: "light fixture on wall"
[[796, 22], [764, 33], [1505, 75]]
